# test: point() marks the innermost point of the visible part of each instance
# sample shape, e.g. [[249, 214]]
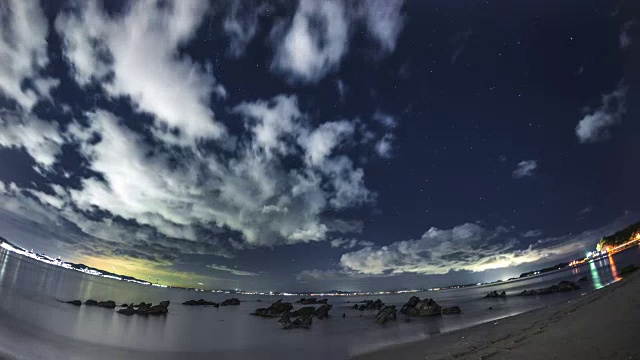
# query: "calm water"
[[35, 325]]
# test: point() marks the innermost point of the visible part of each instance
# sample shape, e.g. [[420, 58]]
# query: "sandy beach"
[[600, 325]]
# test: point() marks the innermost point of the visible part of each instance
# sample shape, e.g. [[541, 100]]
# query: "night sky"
[[284, 145]]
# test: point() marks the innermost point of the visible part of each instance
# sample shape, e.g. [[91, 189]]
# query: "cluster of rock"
[[426, 307], [109, 304], [300, 318], [561, 287], [369, 305], [311, 301], [274, 310], [201, 302], [232, 301], [146, 309], [495, 294]]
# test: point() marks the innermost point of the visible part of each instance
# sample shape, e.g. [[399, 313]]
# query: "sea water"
[[35, 324]]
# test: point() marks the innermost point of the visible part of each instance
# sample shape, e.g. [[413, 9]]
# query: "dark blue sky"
[[313, 145]]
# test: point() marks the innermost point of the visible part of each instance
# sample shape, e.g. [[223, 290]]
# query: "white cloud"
[[317, 38], [231, 270], [625, 36], [349, 243], [315, 41], [41, 140], [241, 25], [594, 126], [532, 233], [384, 21], [23, 50], [384, 146], [525, 168], [469, 247], [323, 140], [136, 55], [385, 119]]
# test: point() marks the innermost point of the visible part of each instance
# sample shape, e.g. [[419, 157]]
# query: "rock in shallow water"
[[232, 301], [495, 294], [417, 307], [74, 302], [387, 313], [201, 302], [452, 310], [274, 310], [561, 287], [322, 311]]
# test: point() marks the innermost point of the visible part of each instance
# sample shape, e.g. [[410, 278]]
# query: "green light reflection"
[[594, 275]]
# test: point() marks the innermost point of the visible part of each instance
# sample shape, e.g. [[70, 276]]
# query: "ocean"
[[35, 324]]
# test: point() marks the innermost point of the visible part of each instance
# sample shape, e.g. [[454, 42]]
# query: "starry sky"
[[307, 145]]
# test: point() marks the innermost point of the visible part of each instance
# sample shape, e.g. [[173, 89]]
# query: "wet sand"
[[603, 324]]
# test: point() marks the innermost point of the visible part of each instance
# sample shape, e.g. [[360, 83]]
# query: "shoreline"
[[601, 324]]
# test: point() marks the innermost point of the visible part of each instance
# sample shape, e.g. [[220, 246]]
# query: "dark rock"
[[200, 302], [232, 301], [149, 309], [138, 305], [355, 307], [417, 307], [258, 300], [311, 301], [285, 318], [307, 310], [452, 310], [561, 287], [126, 305], [274, 310], [322, 311], [74, 302], [362, 307], [300, 322], [109, 304], [490, 308], [322, 301], [627, 270], [91, 302], [370, 305], [495, 294], [344, 315], [387, 313], [128, 311]]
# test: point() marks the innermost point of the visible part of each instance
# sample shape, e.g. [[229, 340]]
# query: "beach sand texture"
[[604, 324]]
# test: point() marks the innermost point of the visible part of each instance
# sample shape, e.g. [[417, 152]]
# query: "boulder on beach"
[[200, 302], [562, 286], [417, 307], [322, 311], [91, 302], [387, 313], [232, 301], [307, 310], [274, 310], [451, 310], [495, 294], [74, 302]]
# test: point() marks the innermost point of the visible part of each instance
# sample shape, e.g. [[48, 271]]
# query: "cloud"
[[241, 24], [594, 126], [384, 21], [41, 140], [23, 50], [385, 119], [317, 38], [525, 168], [625, 36], [469, 247], [349, 243], [384, 146], [315, 41], [533, 233], [459, 41], [135, 55], [231, 270]]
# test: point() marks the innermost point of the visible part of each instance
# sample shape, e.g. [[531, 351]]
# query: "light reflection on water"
[[594, 275]]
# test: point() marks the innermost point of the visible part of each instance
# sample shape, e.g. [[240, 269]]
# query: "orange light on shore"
[[637, 236]]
